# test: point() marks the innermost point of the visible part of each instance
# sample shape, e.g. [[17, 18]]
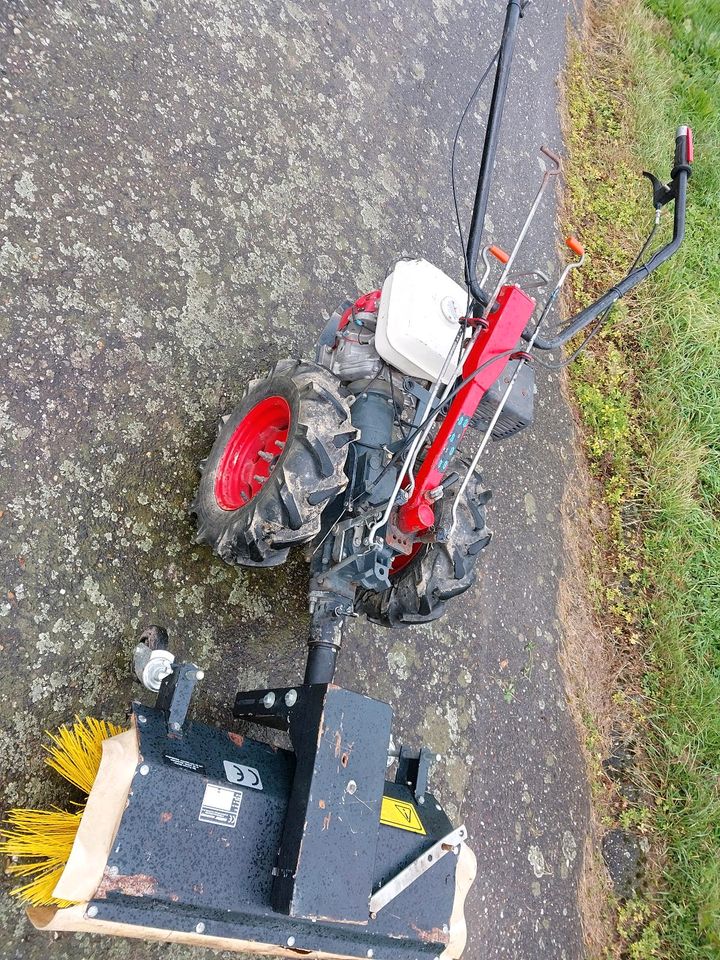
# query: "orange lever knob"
[[499, 254], [574, 244]]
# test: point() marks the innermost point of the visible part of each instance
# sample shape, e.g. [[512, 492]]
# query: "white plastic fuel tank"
[[418, 319]]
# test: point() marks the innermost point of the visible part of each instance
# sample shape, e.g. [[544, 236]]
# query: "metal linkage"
[[401, 881], [549, 173], [551, 170], [524, 357]]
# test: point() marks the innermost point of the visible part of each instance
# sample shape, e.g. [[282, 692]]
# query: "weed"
[[649, 397]]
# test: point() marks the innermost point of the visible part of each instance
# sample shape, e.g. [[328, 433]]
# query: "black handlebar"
[[677, 191], [513, 13]]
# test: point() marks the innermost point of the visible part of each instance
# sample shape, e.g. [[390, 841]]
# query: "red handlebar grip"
[[574, 244], [499, 254]]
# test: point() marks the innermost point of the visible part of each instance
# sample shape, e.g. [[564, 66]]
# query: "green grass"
[[649, 395]]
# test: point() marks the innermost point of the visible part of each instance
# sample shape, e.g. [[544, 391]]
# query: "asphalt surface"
[[188, 189]]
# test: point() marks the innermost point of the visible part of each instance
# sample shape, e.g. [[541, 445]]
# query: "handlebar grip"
[[684, 150], [499, 253], [677, 192], [572, 243]]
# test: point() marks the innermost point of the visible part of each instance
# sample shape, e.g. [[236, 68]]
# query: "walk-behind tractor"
[[206, 836]]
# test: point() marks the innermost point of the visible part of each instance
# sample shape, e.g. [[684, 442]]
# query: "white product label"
[[220, 805]]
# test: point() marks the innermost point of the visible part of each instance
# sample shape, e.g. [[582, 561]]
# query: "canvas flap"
[[101, 819]]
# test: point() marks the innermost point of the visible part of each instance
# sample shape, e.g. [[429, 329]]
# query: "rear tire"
[[439, 571], [260, 495]]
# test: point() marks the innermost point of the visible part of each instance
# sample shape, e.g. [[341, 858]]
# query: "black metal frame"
[[229, 836]]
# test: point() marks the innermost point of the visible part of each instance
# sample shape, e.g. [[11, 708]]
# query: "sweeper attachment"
[[197, 835], [208, 836]]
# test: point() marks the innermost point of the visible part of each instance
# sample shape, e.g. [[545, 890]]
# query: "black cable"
[[601, 320], [396, 416], [470, 102]]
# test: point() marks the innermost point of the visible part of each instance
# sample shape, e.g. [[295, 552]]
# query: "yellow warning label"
[[399, 813]]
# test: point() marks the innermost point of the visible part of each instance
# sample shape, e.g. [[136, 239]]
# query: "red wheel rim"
[[252, 453]]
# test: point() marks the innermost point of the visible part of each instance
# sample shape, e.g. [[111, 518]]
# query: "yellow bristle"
[[46, 837], [77, 750], [39, 891]]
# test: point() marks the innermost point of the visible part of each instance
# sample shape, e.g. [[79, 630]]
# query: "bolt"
[[291, 698], [141, 718], [446, 929], [421, 800], [370, 953], [92, 911], [435, 494], [144, 770], [113, 871], [174, 725], [200, 675], [291, 941], [200, 927], [351, 787], [373, 916], [438, 758], [268, 700]]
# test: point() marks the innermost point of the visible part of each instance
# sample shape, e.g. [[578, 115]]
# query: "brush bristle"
[[46, 837], [77, 750]]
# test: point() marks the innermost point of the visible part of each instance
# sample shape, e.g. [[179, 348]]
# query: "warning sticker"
[[241, 775], [399, 813], [220, 805]]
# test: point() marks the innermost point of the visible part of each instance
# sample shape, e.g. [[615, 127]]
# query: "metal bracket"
[[413, 871], [414, 770], [269, 708], [175, 694], [422, 395]]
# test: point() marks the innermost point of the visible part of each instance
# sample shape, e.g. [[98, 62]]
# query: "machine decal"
[[220, 805], [401, 814], [241, 775]]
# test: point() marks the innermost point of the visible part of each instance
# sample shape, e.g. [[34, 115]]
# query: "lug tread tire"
[[308, 473], [442, 570]]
